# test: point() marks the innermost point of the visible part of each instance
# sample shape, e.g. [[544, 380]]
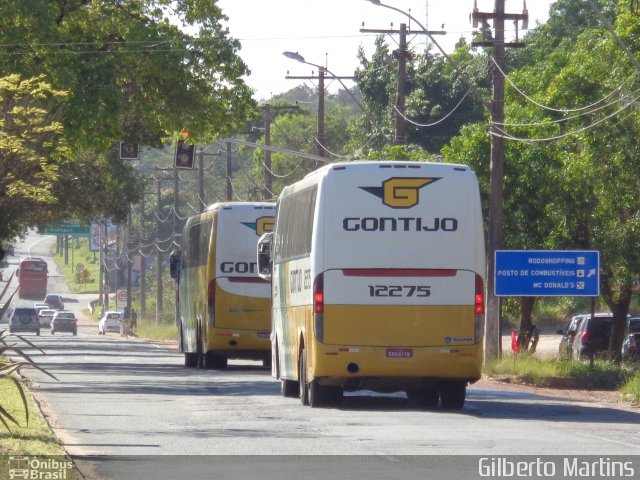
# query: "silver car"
[[24, 319]]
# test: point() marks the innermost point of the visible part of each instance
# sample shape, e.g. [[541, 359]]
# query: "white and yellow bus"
[[224, 304], [377, 272]]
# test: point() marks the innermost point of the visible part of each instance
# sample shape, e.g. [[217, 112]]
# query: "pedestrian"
[[124, 322], [134, 321]]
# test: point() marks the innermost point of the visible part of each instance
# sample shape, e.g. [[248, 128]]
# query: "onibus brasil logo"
[[400, 192], [40, 468]]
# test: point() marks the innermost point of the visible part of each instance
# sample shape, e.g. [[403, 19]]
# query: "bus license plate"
[[399, 352]]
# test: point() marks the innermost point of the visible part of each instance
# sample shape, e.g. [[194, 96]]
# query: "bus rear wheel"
[[323, 396], [452, 395], [426, 397], [289, 388], [190, 360], [214, 362]]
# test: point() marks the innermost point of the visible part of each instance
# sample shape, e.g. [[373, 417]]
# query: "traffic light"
[[185, 155], [129, 151]]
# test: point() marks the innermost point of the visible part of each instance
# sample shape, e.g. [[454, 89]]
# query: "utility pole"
[[104, 287], [401, 54], [229, 189], [322, 71], [201, 155], [159, 292], [496, 175], [128, 250], [268, 114], [143, 267], [201, 201]]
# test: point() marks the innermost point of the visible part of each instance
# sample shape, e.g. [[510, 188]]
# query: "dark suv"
[[592, 337], [54, 301]]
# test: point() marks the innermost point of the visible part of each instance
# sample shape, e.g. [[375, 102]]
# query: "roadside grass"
[[631, 389], [602, 374], [90, 261], [34, 438], [162, 331]]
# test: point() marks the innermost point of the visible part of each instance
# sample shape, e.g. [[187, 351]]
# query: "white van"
[[377, 273]]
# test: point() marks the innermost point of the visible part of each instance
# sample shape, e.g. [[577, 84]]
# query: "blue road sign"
[[547, 273]]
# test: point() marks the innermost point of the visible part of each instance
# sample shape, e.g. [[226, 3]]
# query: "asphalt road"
[[126, 408]]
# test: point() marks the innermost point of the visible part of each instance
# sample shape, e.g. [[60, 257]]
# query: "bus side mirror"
[[174, 266], [264, 256]]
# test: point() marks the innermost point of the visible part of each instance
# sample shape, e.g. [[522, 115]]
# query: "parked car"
[[24, 319], [631, 345], [64, 322], [110, 322], [45, 316], [592, 337], [54, 301], [565, 349]]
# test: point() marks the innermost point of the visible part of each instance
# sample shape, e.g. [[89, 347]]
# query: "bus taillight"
[[479, 301], [318, 306], [211, 302], [318, 294], [479, 309]]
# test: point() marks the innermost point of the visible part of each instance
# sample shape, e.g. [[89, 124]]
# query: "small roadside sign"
[[121, 295], [547, 273]]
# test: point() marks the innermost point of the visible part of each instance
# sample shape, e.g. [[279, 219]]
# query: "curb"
[[562, 383]]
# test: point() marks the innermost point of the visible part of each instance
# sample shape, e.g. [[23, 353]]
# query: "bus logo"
[[261, 225], [400, 192]]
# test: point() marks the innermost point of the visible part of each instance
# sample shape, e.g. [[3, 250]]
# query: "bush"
[[631, 389]]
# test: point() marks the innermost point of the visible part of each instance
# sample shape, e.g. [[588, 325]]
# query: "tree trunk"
[[620, 309], [526, 324]]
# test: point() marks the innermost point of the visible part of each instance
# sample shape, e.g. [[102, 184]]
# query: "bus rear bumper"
[[390, 369]]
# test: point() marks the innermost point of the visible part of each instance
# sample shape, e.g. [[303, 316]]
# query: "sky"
[[327, 33]]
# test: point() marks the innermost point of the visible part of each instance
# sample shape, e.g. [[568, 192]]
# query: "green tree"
[[32, 147], [135, 71], [568, 184], [437, 104]]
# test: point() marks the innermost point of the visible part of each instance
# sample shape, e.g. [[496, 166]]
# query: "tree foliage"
[[139, 71], [31, 149], [571, 170], [437, 102], [133, 70]]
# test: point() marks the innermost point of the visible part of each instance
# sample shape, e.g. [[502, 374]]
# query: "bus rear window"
[[33, 267]]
